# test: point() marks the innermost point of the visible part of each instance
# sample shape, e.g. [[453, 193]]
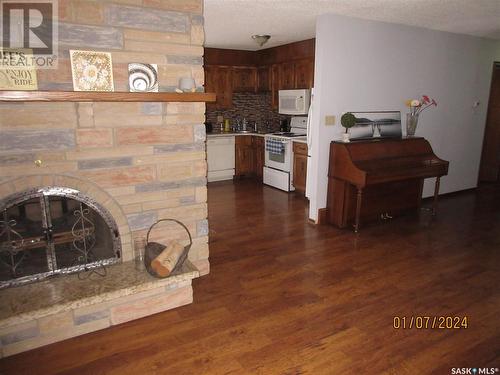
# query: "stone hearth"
[[52, 310]]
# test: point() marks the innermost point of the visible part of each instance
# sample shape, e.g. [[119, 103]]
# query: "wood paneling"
[[288, 297], [299, 51], [304, 49], [232, 57]]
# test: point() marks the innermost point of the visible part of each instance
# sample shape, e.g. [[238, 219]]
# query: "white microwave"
[[294, 102]]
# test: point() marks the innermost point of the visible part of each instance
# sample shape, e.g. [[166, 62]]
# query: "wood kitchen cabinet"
[[244, 160], [244, 79], [264, 79], [258, 156], [287, 76], [275, 85], [304, 74], [286, 67], [299, 166], [249, 156], [218, 80]]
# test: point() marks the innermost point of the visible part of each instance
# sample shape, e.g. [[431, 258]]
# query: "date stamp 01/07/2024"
[[430, 322]]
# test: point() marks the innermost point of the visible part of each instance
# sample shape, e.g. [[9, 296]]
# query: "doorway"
[[489, 170]]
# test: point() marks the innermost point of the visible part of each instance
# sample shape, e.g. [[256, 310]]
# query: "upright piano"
[[379, 178]]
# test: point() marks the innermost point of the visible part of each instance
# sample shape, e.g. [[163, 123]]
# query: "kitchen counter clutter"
[[234, 155], [234, 134]]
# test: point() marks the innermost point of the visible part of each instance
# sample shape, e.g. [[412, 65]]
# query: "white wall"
[[372, 66]]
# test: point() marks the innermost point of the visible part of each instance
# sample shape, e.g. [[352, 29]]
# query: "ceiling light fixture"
[[261, 39]]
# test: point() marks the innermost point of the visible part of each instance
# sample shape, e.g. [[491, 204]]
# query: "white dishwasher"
[[220, 158]]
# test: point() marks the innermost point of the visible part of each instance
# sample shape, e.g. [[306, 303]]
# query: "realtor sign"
[[32, 25], [15, 71]]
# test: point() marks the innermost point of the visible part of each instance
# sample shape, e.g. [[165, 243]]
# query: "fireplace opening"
[[51, 231]]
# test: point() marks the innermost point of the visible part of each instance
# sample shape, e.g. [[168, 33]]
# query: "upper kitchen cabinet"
[[296, 74], [304, 74], [275, 85], [290, 66], [264, 79], [287, 76], [218, 80], [244, 79]]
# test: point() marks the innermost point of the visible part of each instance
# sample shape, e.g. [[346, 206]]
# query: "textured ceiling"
[[230, 23]]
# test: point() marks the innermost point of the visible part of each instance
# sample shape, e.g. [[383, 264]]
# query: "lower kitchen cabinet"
[[243, 155], [258, 151], [249, 156], [299, 166]]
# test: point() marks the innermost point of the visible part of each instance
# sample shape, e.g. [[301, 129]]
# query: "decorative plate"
[[91, 70], [143, 77]]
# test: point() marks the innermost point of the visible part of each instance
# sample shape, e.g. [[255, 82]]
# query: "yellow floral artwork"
[[91, 71]]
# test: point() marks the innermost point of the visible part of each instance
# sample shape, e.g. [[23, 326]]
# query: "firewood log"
[[165, 262]]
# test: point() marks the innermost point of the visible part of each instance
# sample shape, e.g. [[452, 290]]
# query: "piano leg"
[[436, 194], [358, 209]]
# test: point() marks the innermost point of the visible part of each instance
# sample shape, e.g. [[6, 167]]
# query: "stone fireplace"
[[54, 230], [80, 181]]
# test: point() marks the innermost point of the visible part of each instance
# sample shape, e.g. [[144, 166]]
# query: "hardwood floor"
[[288, 297]]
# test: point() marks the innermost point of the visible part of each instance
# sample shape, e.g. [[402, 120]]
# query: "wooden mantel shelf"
[[86, 96]]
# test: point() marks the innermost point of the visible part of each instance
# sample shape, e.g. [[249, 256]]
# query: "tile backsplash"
[[252, 106]]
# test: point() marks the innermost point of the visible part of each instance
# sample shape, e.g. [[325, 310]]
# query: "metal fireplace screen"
[[51, 231]]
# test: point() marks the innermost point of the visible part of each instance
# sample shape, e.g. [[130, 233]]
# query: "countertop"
[[215, 135], [302, 139]]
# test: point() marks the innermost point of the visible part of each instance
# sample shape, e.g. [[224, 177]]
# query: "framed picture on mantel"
[[91, 71]]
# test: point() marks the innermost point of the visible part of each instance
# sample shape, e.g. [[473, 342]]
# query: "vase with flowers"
[[416, 106]]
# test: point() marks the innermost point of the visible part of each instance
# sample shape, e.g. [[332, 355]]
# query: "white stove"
[[278, 167]]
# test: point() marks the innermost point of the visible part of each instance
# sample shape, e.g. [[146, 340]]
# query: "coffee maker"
[[285, 125]]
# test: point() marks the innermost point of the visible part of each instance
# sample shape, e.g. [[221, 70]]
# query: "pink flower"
[[426, 99]]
